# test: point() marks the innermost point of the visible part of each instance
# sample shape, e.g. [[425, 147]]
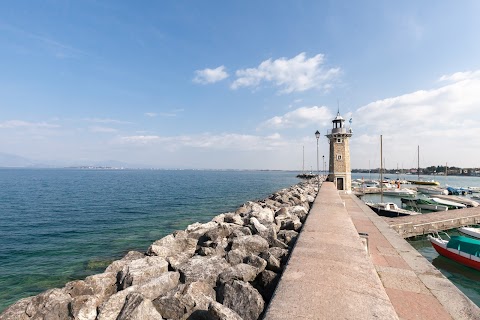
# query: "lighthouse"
[[340, 171]]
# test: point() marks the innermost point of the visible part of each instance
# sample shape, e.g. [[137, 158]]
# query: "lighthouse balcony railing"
[[339, 130]]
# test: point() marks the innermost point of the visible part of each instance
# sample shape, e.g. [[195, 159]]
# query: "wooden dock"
[[423, 224]]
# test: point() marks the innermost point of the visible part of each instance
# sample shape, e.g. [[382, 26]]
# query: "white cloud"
[[291, 75], [300, 118], [98, 120], [459, 76], [444, 121], [207, 75], [150, 114], [98, 129], [25, 124], [140, 139], [230, 141]]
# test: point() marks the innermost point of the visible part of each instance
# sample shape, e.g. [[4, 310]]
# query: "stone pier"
[[330, 274]]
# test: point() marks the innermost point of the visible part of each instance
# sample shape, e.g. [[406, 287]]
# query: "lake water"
[[57, 225], [466, 279]]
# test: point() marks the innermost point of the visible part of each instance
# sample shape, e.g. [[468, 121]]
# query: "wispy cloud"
[[207, 76], [150, 114], [99, 129], [47, 43], [114, 121], [290, 75], [230, 141], [299, 118], [25, 124]]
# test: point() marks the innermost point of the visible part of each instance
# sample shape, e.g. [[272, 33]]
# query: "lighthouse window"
[[339, 140], [339, 157]]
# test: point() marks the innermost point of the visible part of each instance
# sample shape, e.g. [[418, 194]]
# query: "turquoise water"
[[57, 225], [466, 279]]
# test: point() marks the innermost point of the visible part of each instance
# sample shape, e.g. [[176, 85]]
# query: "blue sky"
[[239, 84]]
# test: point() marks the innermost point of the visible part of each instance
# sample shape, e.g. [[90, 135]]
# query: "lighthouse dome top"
[[339, 117]]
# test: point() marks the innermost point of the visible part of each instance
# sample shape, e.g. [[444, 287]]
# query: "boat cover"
[[464, 244]]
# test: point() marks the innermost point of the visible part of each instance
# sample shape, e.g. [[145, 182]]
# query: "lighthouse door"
[[339, 183]]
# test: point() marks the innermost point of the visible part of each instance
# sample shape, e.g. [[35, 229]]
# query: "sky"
[[239, 84]]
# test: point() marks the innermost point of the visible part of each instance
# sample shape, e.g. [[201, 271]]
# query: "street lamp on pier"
[[317, 135]]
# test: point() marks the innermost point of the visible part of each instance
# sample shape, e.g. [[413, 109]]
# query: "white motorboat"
[[399, 192], [470, 231], [431, 190], [448, 203], [424, 203], [466, 201], [389, 209]]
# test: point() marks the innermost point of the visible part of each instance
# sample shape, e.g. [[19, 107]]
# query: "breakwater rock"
[[227, 268]]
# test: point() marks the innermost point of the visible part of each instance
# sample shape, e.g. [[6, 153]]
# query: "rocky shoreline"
[[227, 268]]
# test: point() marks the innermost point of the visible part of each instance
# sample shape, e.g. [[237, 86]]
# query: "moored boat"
[[450, 204], [431, 190], [458, 248], [399, 192], [470, 231], [424, 203], [425, 182], [389, 209], [463, 200]]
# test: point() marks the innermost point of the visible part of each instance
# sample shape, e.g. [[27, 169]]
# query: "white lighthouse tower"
[[340, 171]]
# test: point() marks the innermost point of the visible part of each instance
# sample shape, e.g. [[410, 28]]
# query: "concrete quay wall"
[[331, 276]]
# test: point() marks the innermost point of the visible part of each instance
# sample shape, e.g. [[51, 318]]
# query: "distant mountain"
[[11, 160]]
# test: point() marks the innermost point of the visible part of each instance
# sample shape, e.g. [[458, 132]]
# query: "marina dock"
[[331, 274], [422, 224]]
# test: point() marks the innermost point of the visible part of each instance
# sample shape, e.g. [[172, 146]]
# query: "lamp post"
[[317, 135]]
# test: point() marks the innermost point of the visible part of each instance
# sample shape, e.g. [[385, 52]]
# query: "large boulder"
[[266, 282], [202, 268], [17, 311], [242, 298], [84, 307], [288, 236], [117, 266], [197, 229], [156, 287], [232, 217], [136, 307], [51, 304], [217, 311], [241, 271], [141, 271], [184, 300], [180, 246], [250, 244]]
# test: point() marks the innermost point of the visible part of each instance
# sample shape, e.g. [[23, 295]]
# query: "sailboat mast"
[[303, 160], [381, 169], [418, 163]]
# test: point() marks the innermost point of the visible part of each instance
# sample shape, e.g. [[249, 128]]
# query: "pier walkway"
[[435, 221], [330, 274]]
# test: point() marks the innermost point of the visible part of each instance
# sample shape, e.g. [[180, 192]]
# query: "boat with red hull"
[[458, 248]]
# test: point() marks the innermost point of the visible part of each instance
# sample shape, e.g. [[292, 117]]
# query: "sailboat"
[[422, 182], [304, 175], [387, 209]]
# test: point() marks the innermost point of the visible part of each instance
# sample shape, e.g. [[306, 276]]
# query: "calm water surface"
[[57, 225]]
